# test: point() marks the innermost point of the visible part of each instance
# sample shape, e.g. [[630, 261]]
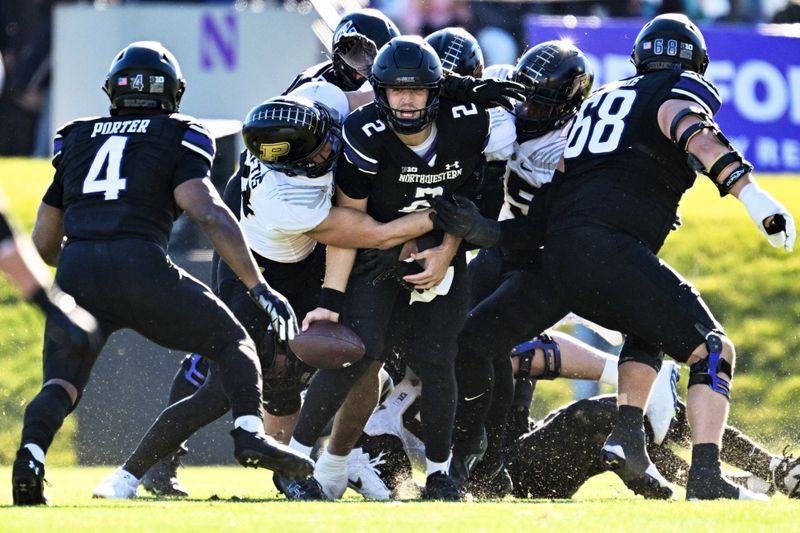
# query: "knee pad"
[[635, 349], [706, 371], [526, 352]]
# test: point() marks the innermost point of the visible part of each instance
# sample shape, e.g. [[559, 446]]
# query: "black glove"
[[462, 218], [277, 307], [68, 324], [489, 92], [357, 51], [377, 265], [381, 265]]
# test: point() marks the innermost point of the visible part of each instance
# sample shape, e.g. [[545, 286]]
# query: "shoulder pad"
[[359, 133], [694, 87], [319, 72], [197, 138], [63, 131]]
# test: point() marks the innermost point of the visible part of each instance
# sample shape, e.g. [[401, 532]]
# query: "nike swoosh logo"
[[474, 397], [357, 483], [481, 86]]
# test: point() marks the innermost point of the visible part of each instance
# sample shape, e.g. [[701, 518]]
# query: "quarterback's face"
[[407, 103]]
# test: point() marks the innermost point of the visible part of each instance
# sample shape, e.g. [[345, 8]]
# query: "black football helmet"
[[407, 62], [458, 50], [558, 77], [291, 134], [370, 23], [670, 41], [144, 75]]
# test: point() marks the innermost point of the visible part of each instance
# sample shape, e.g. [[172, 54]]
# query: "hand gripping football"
[[327, 344]]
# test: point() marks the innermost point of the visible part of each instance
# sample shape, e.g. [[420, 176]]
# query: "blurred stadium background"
[[235, 54]]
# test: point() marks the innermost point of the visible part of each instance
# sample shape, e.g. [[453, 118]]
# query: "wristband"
[[331, 299]]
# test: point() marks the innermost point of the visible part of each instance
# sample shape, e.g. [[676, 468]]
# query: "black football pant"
[[299, 283], [133, 284], [510, 304], [372, 311]]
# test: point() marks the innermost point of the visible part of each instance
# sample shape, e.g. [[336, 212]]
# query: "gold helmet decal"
[[272, 151]]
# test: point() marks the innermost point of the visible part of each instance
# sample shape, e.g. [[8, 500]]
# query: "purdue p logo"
[[272, 151]]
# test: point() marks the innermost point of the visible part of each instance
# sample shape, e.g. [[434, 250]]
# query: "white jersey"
[[503, 129], [388, 417], [279, 208], [530, 166]]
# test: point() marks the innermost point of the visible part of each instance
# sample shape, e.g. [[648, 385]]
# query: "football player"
[[119, 183], [401, 150], [349, 66], [635, 149], [285, 212], [558, 454], [355, 42], [557, 77]]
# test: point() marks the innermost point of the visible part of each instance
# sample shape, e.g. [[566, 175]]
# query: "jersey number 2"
[[111, 183], [603, 135]]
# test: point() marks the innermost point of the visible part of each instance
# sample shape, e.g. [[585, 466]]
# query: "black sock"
[[705, 475], [177, 423], [45, 415], [705, 457], [629, 419]]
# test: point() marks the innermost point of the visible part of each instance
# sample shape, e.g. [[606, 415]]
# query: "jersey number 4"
[[108, 158], [602, 133]]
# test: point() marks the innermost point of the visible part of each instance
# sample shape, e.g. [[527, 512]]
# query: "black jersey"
[[397, 181], [620, 170], [321, 72], [115, 176]]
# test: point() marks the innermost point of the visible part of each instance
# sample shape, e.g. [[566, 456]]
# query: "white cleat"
[[746, 494], [661, 407], [332, 478], [363, 475], [119, 485]]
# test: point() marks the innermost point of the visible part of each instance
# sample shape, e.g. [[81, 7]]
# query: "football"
[[327, 344]]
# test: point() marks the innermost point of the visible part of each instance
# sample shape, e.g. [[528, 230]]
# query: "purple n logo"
[[218, 40]]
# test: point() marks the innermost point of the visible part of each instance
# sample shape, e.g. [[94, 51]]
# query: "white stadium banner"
[[231, 59]]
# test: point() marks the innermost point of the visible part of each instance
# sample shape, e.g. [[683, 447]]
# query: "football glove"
[[786, 476], [462, 218], [377, 265], [68, 324], [357, 51], [761, 205], [277, 307], [489, 92]]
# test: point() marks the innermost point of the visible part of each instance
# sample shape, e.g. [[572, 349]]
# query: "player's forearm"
[[226, 237], [346, 227], [338, 264], [450, 244], [23, 267], [402, 230]]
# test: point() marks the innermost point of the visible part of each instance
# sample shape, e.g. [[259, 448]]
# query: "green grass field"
[[751, 287], [235, 499]]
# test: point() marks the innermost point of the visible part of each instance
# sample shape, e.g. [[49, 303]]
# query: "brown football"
[[327, 344]]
